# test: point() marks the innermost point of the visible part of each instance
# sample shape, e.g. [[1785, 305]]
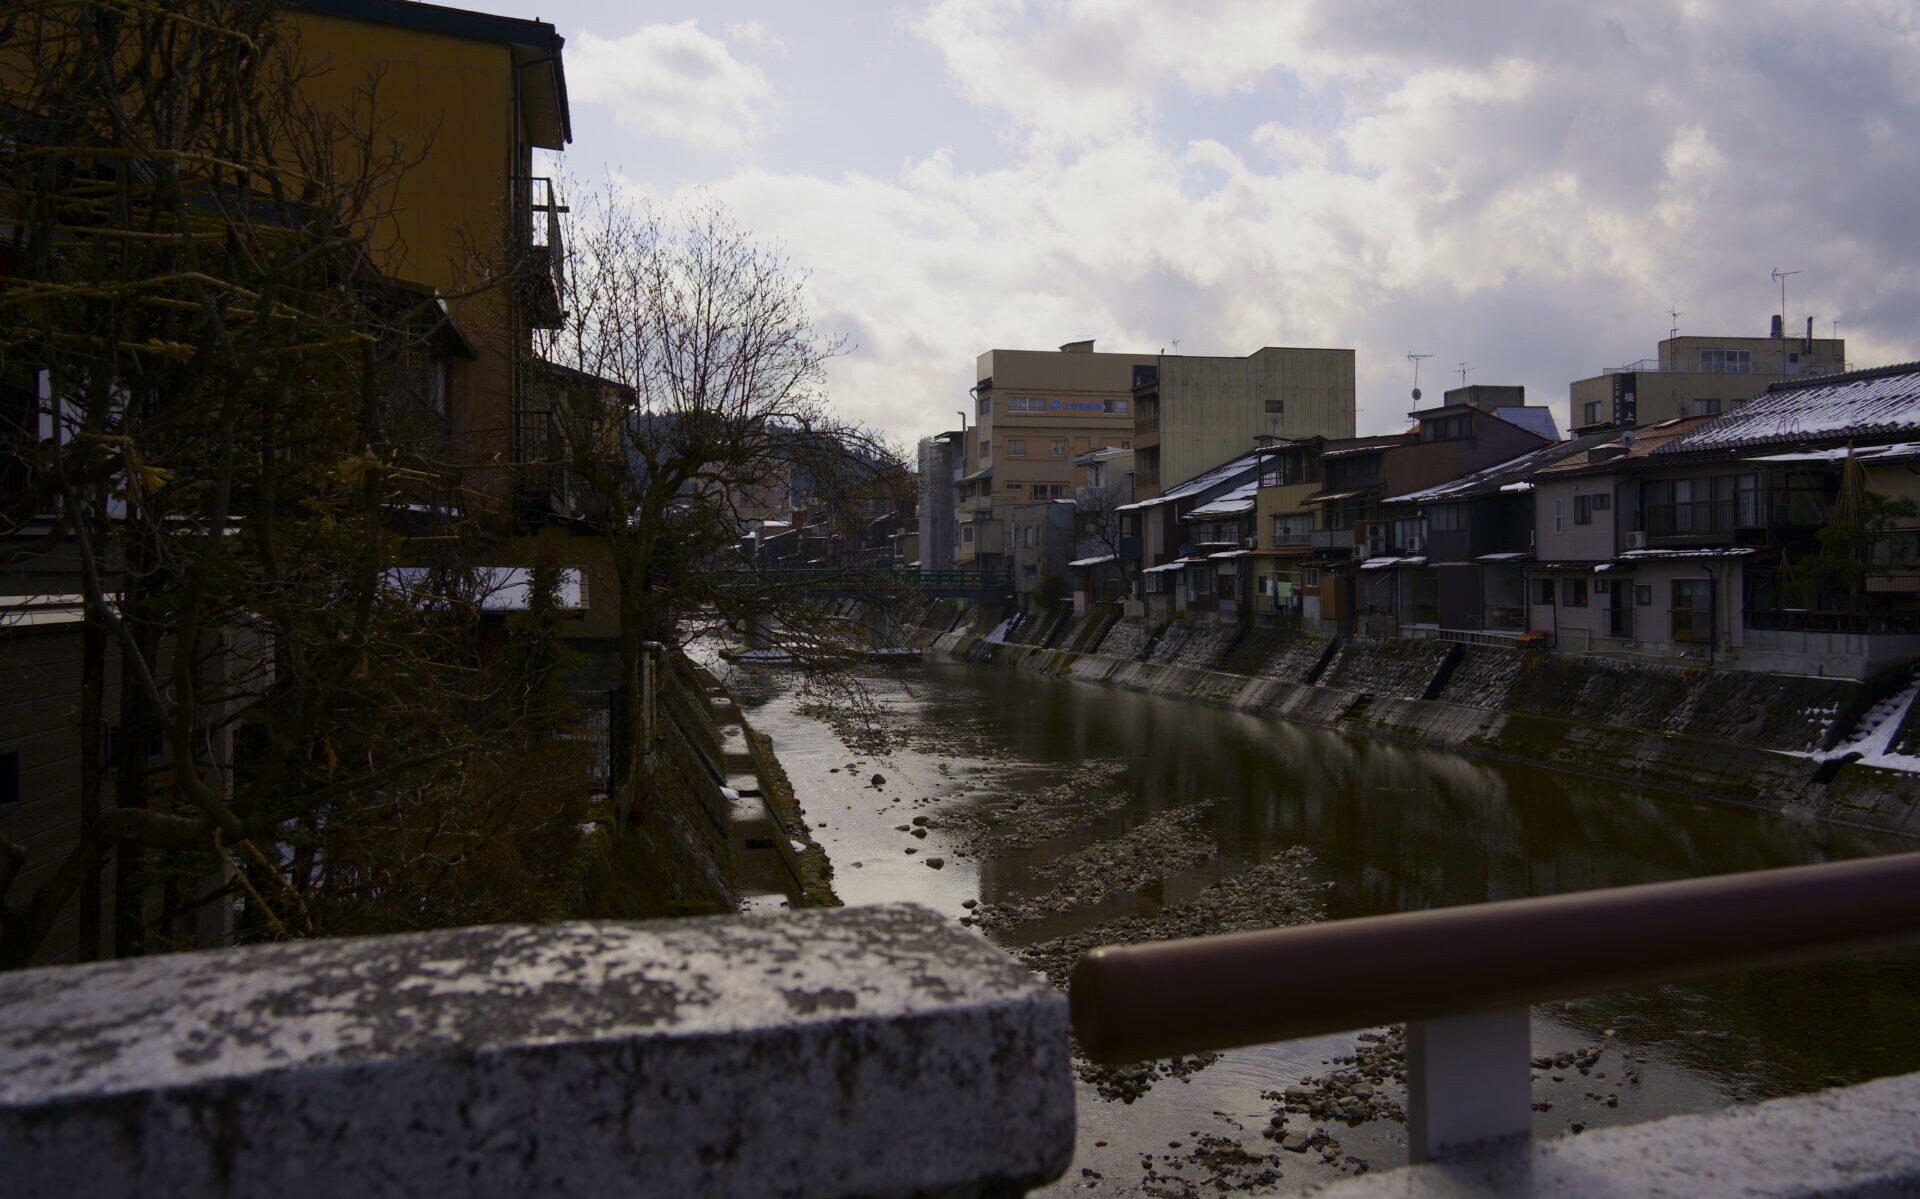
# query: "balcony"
[[540, 267], [1331, 539], [1144, 424]]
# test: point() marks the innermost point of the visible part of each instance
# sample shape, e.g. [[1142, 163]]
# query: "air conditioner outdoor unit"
[[1415, 545], [1636, 541], [1253, 543]]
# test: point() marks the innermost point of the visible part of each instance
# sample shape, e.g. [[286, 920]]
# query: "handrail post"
[[1468, 1080]]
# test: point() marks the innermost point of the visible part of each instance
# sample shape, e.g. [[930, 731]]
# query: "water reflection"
[[1398, 828]]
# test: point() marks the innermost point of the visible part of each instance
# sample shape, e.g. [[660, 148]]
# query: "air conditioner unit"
[[1253, 543], [1376, 547], [1636, 541], [1415, 545]]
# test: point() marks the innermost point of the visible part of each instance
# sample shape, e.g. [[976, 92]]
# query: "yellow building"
[[472, 96], [1698, 376], [1034, 412]]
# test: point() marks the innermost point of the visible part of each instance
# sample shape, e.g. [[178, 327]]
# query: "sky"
[[1524, 188]]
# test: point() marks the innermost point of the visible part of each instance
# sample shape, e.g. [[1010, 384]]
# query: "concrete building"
[[1035, 411], [1699, 376], [1192, 412], [942, 462]]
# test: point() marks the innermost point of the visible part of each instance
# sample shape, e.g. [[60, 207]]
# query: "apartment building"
[[1035, 411], [1699, 376], [1194, 411]]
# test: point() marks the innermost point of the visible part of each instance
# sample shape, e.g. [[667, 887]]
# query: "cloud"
[[1525, 187], [674, 81]]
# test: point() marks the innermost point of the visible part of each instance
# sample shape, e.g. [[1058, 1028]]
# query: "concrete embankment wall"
[[1752, 739]]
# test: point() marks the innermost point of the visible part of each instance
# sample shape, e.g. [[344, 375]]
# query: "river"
[[1389, 828]]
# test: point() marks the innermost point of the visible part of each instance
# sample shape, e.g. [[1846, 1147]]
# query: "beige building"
[[1034, 412], [1698, 376], [1193, 412]]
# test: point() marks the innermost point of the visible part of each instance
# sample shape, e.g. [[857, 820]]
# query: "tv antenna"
[[1464, 368], [1781, 277], [1674, 315], [1415, 359], [1176, 345]]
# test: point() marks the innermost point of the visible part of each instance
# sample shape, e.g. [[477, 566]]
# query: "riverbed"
[[1033, 809]]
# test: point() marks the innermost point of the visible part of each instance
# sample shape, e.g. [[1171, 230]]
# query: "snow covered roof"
[[1234, 502], [1176, 564], [1334, 497], [1905, 449], [1509, 557], [1883, 402], [1383, 563], [1230, 554], [1538, 421], [1730, 551], [1100, 561], [1523, 485], [1220, 475]]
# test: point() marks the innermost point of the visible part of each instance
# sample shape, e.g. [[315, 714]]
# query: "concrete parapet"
[[1862, 1142], [867, 1051]]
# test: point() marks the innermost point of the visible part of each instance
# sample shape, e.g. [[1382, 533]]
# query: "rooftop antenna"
[[1781, 332], [1415, 359], [1464, 368], [1674, 315], [1176, 345]]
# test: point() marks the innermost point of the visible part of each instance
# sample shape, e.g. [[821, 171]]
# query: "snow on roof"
[[1176, 564], [1869, 403], [1329, 497], [1507, 557], [1219, 475], [1383, 563], [1523, 485], [1230, 554], [1535, 420], [1905, 449], [488, 588], [1100, 561], [1731, 551], [1239, 500]]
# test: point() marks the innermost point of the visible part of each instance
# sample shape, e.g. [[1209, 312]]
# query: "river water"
[[1389, 828]]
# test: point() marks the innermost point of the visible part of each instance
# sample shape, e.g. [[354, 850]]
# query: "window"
[[1026, 404], [1573, 593], [1643, 594], [986, 450], [1693, 610], [1033, 536], [1447, 428], [1559, 519], [1696, 507], [1543, 591], [1130, 525], [1602, 502], [1292, 529], [1310, 576], [1447, 518], [1126, 445], [437, 372], [985, 406], [1709, 407], [1016, 447], [1582, 509], [1726, 362], [1276, 407], [1015, 486], [966, 532], [1200, 582], [1590, 413], [1118, 406], [1057, 448], [9, 778]]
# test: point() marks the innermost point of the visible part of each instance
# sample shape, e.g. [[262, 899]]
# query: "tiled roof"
[[1879, 403]]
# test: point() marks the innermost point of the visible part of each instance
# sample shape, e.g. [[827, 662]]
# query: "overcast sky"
[[1526, 187]]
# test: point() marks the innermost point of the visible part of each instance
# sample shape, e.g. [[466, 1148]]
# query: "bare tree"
[[1100, 523], [711, 404]]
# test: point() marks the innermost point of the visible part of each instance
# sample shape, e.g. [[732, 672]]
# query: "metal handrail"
[[1135, 1002]]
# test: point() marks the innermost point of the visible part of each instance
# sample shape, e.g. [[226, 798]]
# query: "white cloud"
[[1523, 185], [675, 81]]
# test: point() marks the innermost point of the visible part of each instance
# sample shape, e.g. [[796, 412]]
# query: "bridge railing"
[[1463, 977]]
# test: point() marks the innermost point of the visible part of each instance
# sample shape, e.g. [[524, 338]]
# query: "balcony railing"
[[1283, 540], [540, 273], [1463, 977], [1143, 424]]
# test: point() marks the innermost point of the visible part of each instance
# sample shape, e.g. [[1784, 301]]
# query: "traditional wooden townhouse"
[[1394, 583], [1476, 536], [1777, 537], [1174, 570], [1283, 529]]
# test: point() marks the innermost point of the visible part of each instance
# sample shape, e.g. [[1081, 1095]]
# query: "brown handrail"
[[1135, 1002]]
